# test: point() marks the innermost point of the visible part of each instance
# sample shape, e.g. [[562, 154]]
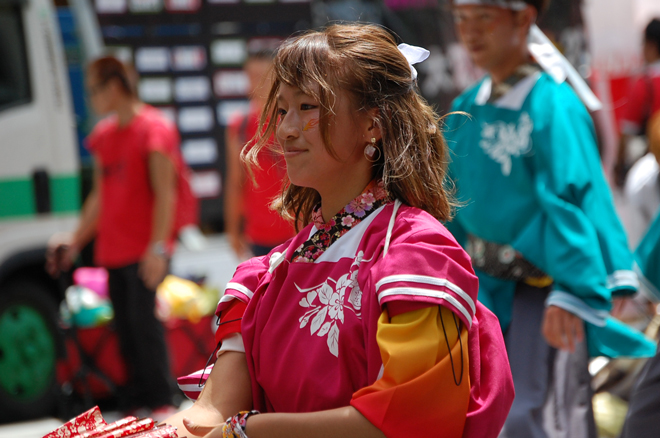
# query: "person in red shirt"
[[139, 199], [643, 98], [253, 228]]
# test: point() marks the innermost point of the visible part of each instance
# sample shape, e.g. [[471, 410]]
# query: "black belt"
[[504, 262]]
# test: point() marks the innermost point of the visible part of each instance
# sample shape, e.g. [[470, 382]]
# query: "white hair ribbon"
[[414, 55], [557, 66]]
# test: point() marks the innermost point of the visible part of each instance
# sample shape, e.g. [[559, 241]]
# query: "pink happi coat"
[[309, 329]]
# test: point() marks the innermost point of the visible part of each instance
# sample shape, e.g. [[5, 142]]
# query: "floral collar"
[[371, 198]]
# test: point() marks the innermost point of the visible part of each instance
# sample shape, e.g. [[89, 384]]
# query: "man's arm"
[[162, 177], [63, 248]]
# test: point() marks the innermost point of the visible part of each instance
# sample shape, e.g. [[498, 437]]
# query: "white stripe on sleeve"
[[240, 288], [425, 279], [427, 293]]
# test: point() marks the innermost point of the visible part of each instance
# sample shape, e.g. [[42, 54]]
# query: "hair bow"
[[413, 55]]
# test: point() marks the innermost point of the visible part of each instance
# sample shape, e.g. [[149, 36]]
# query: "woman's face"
[[100, 94], [308, 162]]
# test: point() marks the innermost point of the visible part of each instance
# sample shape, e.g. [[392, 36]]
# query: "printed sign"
[[207, 184], [227, 109], [155, 90], [145, 6], [229, 52], [223, 2], [152, 59], [182, 5], [195, 119], [122, 53], [169, 112], [110, 6], [188, 58], [199, 151], [230, 83], [192, 89]]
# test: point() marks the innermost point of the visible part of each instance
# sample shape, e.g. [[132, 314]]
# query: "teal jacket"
[[527, 171], [647, 257]]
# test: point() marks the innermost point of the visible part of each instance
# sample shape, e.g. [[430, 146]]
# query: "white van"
[[39, 195]]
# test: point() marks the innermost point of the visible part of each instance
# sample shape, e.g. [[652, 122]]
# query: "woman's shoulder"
[[414, 220], [414, 229]]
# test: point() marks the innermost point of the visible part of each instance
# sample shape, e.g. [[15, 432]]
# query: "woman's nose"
[[288, 127]]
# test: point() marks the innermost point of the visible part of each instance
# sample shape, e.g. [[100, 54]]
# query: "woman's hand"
[[562, 329], [202, 430]]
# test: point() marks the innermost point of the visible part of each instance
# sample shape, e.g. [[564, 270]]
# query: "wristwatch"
[[160, 249]]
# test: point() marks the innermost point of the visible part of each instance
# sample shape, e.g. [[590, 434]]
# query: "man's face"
[[489, 33]]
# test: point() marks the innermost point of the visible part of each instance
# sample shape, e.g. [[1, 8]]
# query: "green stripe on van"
[[17, 196], [65, 193]]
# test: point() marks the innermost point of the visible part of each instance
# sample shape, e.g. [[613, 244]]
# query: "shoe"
[[163, 413]]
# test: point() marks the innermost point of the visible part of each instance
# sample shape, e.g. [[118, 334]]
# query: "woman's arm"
[[344, 422], [226, 392]]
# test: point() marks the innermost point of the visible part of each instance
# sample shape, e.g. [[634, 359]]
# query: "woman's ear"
[[373, 124]]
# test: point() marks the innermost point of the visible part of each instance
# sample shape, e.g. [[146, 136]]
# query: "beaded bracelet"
[[235, 426]]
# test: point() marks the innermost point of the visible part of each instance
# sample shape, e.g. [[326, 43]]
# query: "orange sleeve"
[[230, 320], [418, 394]]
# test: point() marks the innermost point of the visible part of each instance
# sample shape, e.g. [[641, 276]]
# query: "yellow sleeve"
[[418, 391]]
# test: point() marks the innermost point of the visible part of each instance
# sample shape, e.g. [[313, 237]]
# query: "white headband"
[[516, 5], [557, 66], [414, 55]]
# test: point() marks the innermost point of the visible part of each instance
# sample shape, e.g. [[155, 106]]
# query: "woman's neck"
[[333, 200], [128, 109]]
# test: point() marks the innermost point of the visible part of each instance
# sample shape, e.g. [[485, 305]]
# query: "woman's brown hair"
[[364, 61], [108, 68]]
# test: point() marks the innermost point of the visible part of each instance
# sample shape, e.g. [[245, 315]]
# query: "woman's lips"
[[292, 152]]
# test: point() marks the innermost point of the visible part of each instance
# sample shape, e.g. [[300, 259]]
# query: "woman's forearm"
[[346, 422]]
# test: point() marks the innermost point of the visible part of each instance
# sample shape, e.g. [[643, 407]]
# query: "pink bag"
[[95, 279]]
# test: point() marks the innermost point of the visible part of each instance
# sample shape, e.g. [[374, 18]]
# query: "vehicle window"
[[14, 74]]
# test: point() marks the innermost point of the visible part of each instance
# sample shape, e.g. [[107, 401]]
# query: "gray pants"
[[553, 387], [643, 418]]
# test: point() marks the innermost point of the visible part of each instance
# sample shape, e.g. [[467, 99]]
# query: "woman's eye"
[[281, 112], [306, 106]]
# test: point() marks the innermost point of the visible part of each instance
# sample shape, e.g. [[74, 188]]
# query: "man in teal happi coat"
[[538, 220]]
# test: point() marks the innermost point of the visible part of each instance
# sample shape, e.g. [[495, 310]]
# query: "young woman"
[[366, 324]]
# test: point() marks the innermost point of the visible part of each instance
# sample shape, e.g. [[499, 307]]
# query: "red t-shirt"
[[127, 200], [262, 225], [643, 101]]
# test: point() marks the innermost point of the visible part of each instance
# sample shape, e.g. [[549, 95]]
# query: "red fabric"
[[189, 344], [644, 91], [263, 226], [491, 393], [125, 222], [391, 409], [88, 420], [233, 313]]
